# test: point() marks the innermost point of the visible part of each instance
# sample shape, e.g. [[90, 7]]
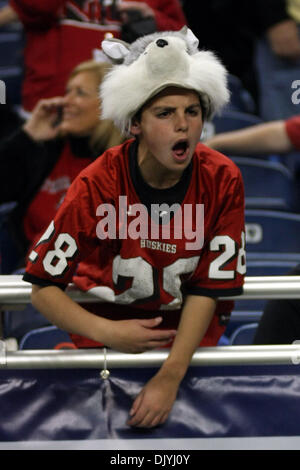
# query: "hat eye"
[[161, 43]]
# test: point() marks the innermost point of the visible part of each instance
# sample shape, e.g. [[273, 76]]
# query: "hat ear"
[[190, 38], [115, 49]]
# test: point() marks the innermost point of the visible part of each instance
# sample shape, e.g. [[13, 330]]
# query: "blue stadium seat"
[[223, 341], [268, 184], [230, 120], [243, 335], [292, 160], [17, 323], [6, 208], [272, 235], [12, 41], [48, 337], [240, 99], [9, 257]]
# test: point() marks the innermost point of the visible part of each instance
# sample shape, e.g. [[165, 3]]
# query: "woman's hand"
[[153, 404], [44, 121]]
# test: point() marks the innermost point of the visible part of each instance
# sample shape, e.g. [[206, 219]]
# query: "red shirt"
[[292, 126], [48, 199], [149, 274]]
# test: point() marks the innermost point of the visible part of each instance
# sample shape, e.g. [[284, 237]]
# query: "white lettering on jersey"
[[172, 281], [161, 246], [141, 274], [55, 186], [55, 261], [229, 251], [136, 278], [44, 238], [143, 282]]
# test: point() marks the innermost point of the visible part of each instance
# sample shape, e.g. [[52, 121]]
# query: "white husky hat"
[[155, 62]]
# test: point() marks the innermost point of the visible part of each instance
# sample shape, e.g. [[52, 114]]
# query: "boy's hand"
[[137, 336], [154, 403]]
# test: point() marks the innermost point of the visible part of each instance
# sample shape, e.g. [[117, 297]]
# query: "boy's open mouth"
[[180, 149]]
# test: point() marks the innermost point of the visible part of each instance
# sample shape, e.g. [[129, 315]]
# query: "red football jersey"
[[139, 260]]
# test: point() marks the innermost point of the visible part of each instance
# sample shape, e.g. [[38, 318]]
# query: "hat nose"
[[162, 43]]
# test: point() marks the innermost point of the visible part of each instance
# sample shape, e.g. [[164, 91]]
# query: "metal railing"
[[98, 359], [14, 293]]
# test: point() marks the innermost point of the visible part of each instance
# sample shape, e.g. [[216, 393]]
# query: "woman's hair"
[[106, 134]]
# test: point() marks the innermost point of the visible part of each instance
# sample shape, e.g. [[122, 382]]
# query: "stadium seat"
[[272, 235], [243, 335], [6, 208], [12, 43], [268, 184], [223, 341], [240, 98], [48, 337], [230, 120], [8, 253], [292, 160], [17, 323]]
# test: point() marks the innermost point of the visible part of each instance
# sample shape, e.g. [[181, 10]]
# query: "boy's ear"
[[135, 128]]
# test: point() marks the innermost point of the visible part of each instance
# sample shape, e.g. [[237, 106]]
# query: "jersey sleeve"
[[292, 127], [70, 237], [222, 265]]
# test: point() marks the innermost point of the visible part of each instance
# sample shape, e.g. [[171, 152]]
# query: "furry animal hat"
[[154, 62]]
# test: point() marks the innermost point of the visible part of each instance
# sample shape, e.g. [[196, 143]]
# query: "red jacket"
[[61, 33]]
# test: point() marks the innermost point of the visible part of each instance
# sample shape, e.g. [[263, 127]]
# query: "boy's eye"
[[165, 113], [193, 111]]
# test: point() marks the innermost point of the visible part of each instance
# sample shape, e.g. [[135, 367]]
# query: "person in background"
[[277, 58], [62, 33], [227, 28], [39, 160], [280, 136], [280, 321]]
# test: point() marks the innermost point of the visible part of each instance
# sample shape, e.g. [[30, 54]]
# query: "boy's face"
[[169, 128]]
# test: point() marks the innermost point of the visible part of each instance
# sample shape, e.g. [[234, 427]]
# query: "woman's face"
[[81, 112]]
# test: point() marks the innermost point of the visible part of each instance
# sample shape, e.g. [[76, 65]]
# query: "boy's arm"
[[128, 336], [153, 404]]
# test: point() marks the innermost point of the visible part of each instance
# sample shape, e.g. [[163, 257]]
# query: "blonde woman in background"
[[40, 160]]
